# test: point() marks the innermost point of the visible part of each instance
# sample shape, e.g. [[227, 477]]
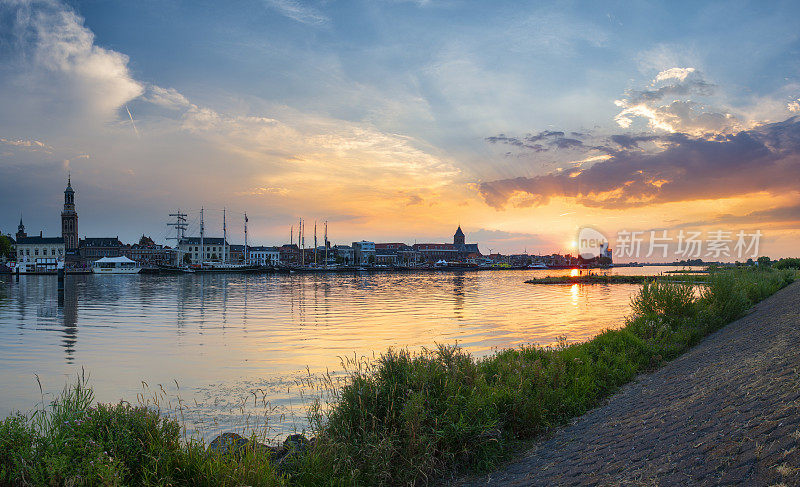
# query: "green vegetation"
[[75, 442], [788, 263], [6, 250], [408, 418]]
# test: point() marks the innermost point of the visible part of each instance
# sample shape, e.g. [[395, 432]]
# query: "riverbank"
[[407, 418], [725, 413]]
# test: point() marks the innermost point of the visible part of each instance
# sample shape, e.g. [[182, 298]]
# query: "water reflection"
[[223, 336]]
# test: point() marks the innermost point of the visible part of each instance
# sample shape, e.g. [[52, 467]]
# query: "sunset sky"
[[397, 120]]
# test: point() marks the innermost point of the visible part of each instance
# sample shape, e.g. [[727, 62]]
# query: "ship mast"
[[246, 261], [224, 237], [202, 235], [180, 229], [315, 242], [303, 240], [326, 243]]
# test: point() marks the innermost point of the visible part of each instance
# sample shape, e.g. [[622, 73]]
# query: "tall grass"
[[407, 418], [73, 441]]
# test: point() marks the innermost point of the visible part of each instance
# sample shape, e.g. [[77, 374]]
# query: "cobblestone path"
[[727, 412]]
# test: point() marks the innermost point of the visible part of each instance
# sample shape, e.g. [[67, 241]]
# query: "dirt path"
[[726, 412]]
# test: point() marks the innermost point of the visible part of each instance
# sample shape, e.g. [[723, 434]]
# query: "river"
[[237, 350]]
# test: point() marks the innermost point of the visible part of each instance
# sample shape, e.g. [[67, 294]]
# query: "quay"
[[727, 412]]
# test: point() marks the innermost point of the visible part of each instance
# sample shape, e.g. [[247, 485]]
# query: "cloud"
[[299, 12], [61, 65], [674, 73], [766, 158], [26, 144], [670, 105], [541, 142], [166, 97], [793, 106]]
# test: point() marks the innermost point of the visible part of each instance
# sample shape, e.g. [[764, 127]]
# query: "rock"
[[297, 443], [228, 443], [295, 446]]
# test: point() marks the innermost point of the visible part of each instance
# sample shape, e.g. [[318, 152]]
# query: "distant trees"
[[764, 261], [788, 263], [6, 251]]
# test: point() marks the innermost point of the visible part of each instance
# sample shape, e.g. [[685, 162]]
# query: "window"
[[36, 251], [28, 252]]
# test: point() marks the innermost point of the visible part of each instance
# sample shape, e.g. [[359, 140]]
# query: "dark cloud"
[[766, 158], [516, 142], [631, 142], [541, 142]]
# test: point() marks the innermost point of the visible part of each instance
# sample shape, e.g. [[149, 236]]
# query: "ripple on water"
[[225, 338]]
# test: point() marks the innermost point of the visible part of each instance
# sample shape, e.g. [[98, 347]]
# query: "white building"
[[263, 256], [214, 249], [605, 251], [362, 251], [38, 254]]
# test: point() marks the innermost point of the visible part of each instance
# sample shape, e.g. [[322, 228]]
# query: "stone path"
[[725, 413]]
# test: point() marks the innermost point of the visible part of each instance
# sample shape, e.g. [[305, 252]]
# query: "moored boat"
[[115, 265]]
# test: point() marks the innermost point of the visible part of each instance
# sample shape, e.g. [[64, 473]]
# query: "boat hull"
[[134, 270]]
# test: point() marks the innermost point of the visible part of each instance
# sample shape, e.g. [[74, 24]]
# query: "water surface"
[[229, 344]]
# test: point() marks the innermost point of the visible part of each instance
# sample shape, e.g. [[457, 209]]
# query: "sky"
[[399, 120]]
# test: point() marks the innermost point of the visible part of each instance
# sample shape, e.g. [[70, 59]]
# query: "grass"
[[405, 419], [74, 441]]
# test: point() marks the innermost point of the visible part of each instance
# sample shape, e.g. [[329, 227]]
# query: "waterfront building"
[[40, 254], [214, 249], [69, 219], [149, 255], [289, 254], [434, 252], [92, 248], [395, 253], [363, 252], [459, 250], [605, 252], [264, 256], [236, 253], [343, 254]]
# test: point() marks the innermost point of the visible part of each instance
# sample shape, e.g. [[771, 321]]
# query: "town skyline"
[[522, 123]]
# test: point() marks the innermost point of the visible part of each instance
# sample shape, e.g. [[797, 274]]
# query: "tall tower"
[[69, 218], [21, 230], [458, 238]]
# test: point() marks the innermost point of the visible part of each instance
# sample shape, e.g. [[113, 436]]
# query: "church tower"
[[21, 230], [69, 218], [458, 238]]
